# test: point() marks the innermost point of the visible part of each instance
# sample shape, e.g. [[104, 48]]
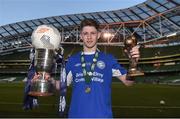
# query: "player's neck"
[[89, 50]]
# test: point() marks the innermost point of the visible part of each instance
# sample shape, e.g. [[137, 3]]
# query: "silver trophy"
[[45, 39]]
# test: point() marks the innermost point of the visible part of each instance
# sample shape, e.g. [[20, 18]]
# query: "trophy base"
[[41, 88], [135, 73], [33, 93]]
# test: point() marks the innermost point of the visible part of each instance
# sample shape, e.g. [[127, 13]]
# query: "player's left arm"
[[128, 81]]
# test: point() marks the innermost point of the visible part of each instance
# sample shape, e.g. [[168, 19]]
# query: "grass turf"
[[140, 100]]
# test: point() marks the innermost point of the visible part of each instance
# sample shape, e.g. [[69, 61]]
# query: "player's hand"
[[39, 75], [134, 53]]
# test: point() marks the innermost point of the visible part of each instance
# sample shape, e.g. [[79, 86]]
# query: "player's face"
[[89, 35]]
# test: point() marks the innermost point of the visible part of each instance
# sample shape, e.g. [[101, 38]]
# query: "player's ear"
[[80, 36], [99, 34]]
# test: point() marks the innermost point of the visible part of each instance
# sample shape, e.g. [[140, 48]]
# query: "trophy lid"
[[46, 36]]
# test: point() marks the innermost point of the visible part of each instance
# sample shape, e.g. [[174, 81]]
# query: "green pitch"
[[140, 100]]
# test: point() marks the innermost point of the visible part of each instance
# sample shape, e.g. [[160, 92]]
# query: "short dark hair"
[[89, 22]]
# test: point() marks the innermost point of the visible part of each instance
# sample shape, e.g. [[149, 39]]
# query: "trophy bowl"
[[44, 61], [129, 43]]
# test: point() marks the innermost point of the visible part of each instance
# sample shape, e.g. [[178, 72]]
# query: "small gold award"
[[88, 90]]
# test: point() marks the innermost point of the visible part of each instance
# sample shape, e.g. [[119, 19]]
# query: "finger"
[[137, 46], [136, 59], [47, 76], [36, 76], [134, 49], [134, 53]]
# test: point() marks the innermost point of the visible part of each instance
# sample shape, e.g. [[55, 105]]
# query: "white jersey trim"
[[69, 78], [116, 72]]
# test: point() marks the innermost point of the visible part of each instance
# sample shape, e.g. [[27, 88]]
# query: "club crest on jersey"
[[101, 65]]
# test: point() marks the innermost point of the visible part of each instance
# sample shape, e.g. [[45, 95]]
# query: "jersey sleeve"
[[117, 68]]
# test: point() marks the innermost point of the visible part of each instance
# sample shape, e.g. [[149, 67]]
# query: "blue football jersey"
[[96, 103]]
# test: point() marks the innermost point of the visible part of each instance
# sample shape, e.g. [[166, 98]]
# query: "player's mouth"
[[89, 42]]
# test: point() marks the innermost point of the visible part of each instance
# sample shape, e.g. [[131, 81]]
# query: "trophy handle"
[[59, 51]]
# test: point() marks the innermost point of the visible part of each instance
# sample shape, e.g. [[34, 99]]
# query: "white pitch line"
[[152, 107], [140, 107], [14, 103]]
